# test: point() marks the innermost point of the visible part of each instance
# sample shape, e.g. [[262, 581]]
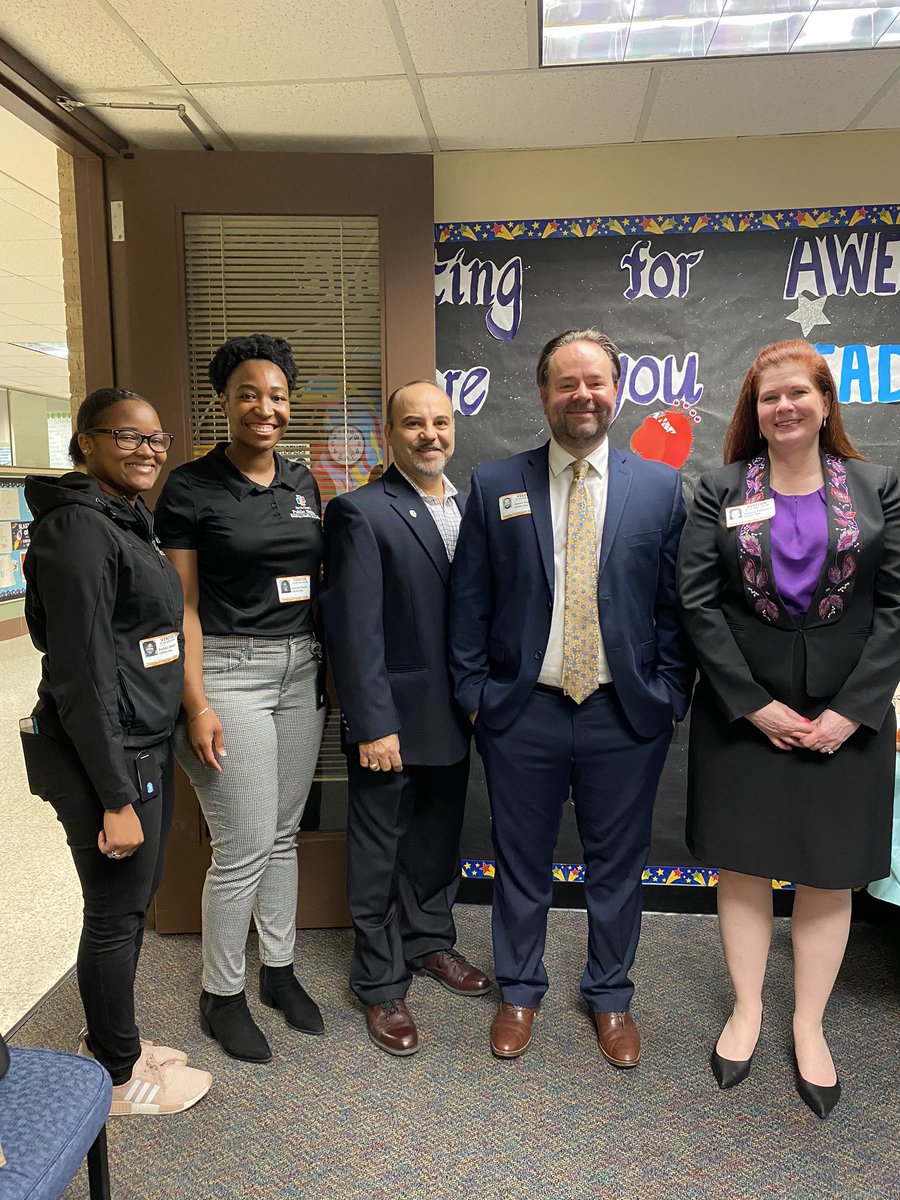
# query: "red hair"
[[743, 439]]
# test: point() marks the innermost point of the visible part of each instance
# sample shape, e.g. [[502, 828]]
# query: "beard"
[[430, 468], [577, 433]]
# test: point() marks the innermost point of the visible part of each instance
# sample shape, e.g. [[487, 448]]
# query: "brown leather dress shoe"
[[511, 1030], [392, 1028], [620, 1042], [456, 974]]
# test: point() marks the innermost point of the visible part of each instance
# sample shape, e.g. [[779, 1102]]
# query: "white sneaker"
[[158, 1087], [160, 1053]]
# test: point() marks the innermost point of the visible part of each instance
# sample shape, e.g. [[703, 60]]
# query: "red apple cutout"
[[665, 437]]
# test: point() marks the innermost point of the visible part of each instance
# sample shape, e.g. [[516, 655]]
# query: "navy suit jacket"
[[384, 609], [503, 580]]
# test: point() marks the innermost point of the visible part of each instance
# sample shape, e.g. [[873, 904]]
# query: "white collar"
[[449, 490], [560, 458]]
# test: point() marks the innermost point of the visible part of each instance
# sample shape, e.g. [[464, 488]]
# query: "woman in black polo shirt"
[[242, 526]]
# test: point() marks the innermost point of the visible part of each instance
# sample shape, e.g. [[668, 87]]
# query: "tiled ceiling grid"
[[31, 280], [416, 76]]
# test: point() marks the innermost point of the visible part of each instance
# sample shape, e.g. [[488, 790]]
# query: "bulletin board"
[[689, 298], [14, 540]]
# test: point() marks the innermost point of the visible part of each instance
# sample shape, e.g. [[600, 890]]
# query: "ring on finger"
[[374, 767], [114, 854], [828, 750]]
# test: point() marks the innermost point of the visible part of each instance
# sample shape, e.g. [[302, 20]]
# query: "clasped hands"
[[787, 730]]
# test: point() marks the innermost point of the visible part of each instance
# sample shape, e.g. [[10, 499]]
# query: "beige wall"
[[743, 173]]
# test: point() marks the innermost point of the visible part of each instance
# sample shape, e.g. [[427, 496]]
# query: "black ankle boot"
[[228, 1020], [279, 988]]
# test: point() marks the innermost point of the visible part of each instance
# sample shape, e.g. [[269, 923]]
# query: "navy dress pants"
[[403, 833], [552, 749]]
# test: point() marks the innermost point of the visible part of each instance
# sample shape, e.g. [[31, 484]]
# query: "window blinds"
[[316, 282]]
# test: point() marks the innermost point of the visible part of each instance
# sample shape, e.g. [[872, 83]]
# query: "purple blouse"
[[799, 543]]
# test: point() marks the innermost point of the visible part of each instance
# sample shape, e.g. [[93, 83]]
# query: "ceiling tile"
[[465, 36], [805, 93], [29, 160], [16, 223], [32, 314], [216, 41], [53, 283], [30, 202], [886, 113], [31, 257], [14, 289], [572, 106], [378, 115], [77, 44], [31, 333]]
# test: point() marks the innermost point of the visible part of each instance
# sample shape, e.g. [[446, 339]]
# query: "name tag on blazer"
[[516, 504], [746, 514]]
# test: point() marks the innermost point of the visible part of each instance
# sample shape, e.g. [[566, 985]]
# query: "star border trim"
[[758, 221], [481, 868]]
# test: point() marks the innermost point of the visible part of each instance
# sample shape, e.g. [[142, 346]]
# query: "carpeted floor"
[[337, 1119]]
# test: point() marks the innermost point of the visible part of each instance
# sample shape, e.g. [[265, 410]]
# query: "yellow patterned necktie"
[[581, 629]]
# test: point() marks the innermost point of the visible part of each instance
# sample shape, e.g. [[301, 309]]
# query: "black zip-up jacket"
[[96, 586]]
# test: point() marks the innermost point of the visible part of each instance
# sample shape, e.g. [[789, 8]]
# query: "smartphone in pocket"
[[147, 773], [34, 751]]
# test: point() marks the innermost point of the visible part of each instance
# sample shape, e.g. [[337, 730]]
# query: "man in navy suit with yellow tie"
[[567, 654], [388, 549]]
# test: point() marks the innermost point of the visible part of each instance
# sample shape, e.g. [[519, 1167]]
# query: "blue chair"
[[53, 1110]]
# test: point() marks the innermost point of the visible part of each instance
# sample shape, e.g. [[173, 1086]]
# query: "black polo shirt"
[[259, 549]]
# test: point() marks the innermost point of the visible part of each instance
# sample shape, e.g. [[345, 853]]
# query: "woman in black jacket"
[[105, 609], [789, 583]]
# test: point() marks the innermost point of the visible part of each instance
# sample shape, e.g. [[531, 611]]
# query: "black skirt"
[[797, 816]]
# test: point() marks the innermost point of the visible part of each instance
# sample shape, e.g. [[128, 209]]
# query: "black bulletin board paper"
[[689, 299]]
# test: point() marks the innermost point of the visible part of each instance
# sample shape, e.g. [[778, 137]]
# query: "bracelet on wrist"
[[198, 714]]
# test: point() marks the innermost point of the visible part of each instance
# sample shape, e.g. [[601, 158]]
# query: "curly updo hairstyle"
[[241, 349], [90, 414]]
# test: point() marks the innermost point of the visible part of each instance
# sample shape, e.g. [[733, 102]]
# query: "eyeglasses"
[[130, 439]]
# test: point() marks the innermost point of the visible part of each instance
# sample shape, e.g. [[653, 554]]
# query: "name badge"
[[746, 514], [161, 649], [516, 504], [292, 588]]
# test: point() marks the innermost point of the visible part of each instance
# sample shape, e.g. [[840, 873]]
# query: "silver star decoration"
[[809, 313]]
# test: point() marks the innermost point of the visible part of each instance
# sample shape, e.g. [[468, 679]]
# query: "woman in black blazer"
[[789, 582]]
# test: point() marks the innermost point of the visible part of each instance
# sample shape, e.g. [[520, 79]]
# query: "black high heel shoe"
[[820, 1099]]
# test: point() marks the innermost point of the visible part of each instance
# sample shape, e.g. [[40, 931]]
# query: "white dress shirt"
[[560, 467], [444, 512]]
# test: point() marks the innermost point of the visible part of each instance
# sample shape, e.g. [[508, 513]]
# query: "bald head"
[[419, 426]]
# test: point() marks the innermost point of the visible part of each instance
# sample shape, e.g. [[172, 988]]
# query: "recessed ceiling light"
[[604, 31]]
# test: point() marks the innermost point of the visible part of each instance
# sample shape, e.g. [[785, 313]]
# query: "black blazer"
[[384, 610], [845, 652]]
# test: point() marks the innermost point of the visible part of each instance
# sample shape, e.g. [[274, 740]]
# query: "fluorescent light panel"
[[598, 31], [54, 349]]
